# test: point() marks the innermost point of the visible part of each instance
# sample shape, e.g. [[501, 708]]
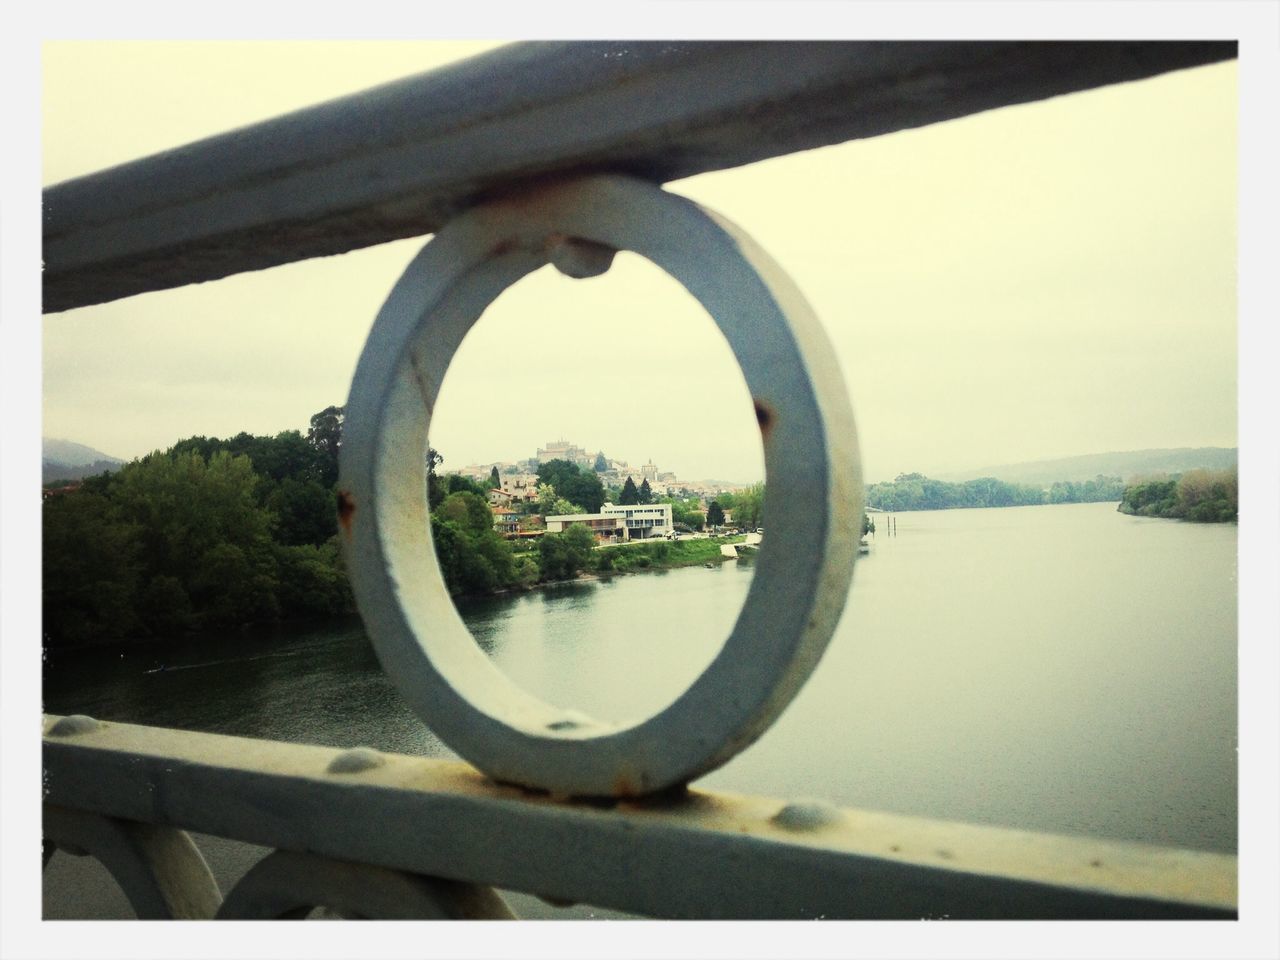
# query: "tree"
[[304, 512], [325, 436], [93, 569], [576, 485], [436, 489], [629, 493], [495, 481], [715, 514], [645, 494], [748, 510], [546, 498], [564, 508], [685, 512], [601, 464], [562, 555], [473, 557]]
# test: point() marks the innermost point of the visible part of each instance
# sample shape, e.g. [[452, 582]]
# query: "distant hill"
[[67, 460], [1126, 465]]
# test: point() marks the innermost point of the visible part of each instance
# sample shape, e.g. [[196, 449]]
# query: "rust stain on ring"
[[346, 510], [764, 417]]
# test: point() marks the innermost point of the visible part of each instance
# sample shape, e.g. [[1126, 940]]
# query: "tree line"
[[914, 491], [208, 534], [1203, 496], [216, 533]]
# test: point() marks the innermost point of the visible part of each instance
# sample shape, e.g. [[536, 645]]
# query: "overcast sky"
[[1038, 281]]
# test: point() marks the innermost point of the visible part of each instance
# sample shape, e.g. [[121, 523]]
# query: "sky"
[[1039, 281]]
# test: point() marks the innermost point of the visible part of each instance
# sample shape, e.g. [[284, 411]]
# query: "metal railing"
[[554, 803]]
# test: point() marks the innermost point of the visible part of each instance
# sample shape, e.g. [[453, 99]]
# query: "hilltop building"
[[564, 450]]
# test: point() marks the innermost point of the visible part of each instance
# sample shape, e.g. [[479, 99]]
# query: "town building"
[[564, 450], [643, 520], [506, 522], [500, 498], [521, 486], [608, 528]]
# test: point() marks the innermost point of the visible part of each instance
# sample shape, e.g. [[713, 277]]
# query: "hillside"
[[67, 460], [1124, 464]]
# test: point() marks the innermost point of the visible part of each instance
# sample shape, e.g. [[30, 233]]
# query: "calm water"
[[1058, 668]]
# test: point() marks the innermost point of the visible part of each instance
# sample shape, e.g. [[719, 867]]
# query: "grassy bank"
[[660, 555]]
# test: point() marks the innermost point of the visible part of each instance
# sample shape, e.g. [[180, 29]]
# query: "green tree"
[[495, 481], [562, 556], [601, 464], [325, 436], [436, 489], [748, 509], [582, 487], [563, 508], [546, 499], [645, 494], [629, 493], [304, 512], [473, 557], [92, 569], [313, 581], [715, 514], [685, 512]]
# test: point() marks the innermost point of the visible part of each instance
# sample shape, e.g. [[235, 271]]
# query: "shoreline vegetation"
[[1200, 496], [216, 534]]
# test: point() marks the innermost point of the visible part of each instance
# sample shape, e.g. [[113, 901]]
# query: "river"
[[1059, 668]]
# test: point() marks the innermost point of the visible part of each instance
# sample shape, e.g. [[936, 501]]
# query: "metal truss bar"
[[401, 159], [691, 854]]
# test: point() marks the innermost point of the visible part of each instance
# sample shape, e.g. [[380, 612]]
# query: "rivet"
[[74, 724], [355, 760], [578, 258], [807, 815]]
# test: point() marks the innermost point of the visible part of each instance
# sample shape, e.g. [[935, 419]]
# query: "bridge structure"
[[556, 153]]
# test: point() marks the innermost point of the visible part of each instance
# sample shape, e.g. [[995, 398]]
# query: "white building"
[[643, 520], [636, 521], [606, 527]]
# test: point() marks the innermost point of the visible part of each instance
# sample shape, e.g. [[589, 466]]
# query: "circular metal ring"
[[813, 495]]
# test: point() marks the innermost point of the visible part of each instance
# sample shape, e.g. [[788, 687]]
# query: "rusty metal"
[[685, 854], [813, 499]]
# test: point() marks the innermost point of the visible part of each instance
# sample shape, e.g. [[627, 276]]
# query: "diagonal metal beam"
[[693, 854], [400, 159]]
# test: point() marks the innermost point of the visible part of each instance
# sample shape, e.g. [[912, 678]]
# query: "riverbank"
[[661, 555]]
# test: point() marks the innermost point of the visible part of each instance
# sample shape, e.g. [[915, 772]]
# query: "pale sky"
[[1039, 281]]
